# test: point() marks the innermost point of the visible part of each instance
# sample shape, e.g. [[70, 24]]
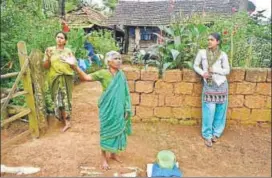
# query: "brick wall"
[[176, 98]]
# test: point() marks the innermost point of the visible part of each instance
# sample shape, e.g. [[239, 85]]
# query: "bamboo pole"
[[33, 122], [14, 95], [38, 73], [13, 109], [23, 113], [9, 75], [23, 69]]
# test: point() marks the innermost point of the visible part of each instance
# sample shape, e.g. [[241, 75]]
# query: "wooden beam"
[[13, 109], [23, 69], [126, 39], [15, 95], [27, 83], [9, 75], [15, 117], [37, 77]]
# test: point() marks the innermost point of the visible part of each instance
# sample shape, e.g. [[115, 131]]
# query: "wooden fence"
[[32, 77]]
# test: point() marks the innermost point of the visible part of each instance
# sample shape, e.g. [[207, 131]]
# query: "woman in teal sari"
[[114, 105]]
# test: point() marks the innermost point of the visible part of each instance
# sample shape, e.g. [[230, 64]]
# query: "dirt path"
[[242, 151]]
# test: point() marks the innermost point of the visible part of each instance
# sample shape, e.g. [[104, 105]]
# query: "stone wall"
[[176, 98]]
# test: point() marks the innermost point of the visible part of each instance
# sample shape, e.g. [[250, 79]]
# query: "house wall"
[[146, 33], [176, 98]]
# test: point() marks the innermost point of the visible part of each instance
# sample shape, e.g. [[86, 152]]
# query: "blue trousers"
[[213, 119]]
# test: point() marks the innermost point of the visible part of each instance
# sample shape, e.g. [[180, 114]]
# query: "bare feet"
[[208, 142], [105, 165], [214, 139], [114, 157], [66, 127]]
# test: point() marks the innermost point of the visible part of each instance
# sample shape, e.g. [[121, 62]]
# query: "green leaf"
[[174, 53]]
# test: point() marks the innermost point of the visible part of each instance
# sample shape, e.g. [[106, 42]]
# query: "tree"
[[111, 4]]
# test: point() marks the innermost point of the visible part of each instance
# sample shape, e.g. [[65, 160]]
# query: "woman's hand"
[[48, 53], [71, 60], [206, 75]]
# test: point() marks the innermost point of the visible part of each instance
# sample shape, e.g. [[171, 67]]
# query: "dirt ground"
[[242, 151]]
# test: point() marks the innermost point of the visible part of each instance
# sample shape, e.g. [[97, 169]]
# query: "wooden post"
[[114, 32], [126, 39], [38, 73], [33, 122]]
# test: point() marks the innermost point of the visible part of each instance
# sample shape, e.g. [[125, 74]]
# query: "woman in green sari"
[[60, 78], [114, 105]]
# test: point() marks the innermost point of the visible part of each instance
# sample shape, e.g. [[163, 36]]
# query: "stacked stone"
[[176, 98]]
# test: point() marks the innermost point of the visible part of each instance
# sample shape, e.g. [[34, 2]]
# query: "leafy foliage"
[[246, 41], [103, 41], [21, 21], [111, 4], [76, 39]]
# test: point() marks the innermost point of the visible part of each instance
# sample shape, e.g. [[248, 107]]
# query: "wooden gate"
[[32, 77]]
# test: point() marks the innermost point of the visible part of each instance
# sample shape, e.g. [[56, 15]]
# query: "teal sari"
[[113, 104]]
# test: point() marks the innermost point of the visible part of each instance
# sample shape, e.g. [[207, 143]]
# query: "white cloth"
[[220, 68], [137, 34], [19, 170]]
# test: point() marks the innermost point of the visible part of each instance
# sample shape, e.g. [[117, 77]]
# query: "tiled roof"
[[86, 15], [153, 13]]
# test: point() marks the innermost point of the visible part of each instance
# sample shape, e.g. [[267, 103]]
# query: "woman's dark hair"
[[216, 36], [64, 34]]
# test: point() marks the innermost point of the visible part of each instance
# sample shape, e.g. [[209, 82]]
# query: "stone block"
[[240, 113], [144, 86], [261, 115], [132, 74], [236, 101], [196, 113], [135, 98], [175, 101], [232, 88], [150, 100], [256, 75], [194, 101], [197, 91], [236, 75], [182, 112], [255, 101], [163, 87], [264, 89], [151, 75], [183, 88], [172, 76], [163, 112], [190, 76], [245, 88], [144, 112], [131, 85]]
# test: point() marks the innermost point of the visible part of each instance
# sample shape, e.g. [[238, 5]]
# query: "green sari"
[[113, 104]]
